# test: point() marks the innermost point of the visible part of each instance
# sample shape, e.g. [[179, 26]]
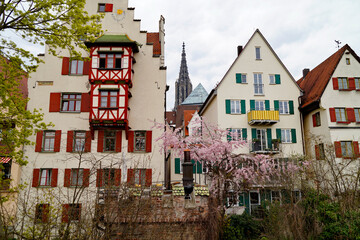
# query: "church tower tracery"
[[183, 86]]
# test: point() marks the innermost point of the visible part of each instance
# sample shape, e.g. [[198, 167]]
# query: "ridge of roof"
[[316, 80]]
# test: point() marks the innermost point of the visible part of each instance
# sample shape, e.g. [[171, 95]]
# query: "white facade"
[[144, 104]]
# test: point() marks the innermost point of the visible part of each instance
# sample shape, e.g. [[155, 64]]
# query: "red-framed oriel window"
[[109, 98], [110, 60]]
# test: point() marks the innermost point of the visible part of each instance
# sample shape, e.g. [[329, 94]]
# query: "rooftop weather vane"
[[338, 43]]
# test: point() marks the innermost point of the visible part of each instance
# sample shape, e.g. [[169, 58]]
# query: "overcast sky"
[[301, 32]]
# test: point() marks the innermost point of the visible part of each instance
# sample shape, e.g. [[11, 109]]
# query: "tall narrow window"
[[109, 141], [79, 141], [272, 79], [140, 141], [260, 105], [347, 149], [48, 141], [357, 83], [258, 84], [140, 176], [283, 107], [357, 114], [286, 136], [109, 176], [45, 177], [261, 136], [257, 53], [347, 61], [77, 176], [235, 106]]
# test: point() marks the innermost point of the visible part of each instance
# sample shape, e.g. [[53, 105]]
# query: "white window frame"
[[235, 106], [258, 84], [45, 177], [243, 78], [257, 53], [286, 136], [79, 141], [340, 114], [259, 105], [48, 141], [284, 107], [139, 141], [272, 79], [261, 134], [236, 133]]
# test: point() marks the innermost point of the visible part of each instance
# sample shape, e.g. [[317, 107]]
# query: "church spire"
[[183, 86]]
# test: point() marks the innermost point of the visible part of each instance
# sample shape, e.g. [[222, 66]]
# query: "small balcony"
[[258, 147], [263, 117]]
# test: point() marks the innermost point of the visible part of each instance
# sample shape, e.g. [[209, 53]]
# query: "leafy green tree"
[[60, 24]]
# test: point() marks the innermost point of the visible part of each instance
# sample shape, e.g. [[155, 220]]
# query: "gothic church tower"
[[183, 86]]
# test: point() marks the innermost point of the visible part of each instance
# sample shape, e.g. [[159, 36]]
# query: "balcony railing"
[[258, 148], [263, 117]]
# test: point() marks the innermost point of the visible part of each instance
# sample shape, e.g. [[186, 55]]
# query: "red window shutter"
[[85, 102], [350, 115], [118, 141], [338, 149], [130, 176], [148, 177], [54, 177], [351, 83], [70, 140], [100, 146], [67, 177], [131, 141], [39, 136], [117, 177], [36, 177], [314, 120], [335, 84], [54, 105], [332, 115], [45, 213], [65, 213], [65, 66], [108, 7], [86, 68], [57, 140], [99, 174], [88, 141], [356, 149], [317, 152], [148, 141], [86, 177]]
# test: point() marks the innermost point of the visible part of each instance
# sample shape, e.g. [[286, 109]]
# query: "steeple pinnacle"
[[183, 86]]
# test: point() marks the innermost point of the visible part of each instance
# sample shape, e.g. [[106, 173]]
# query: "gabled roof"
[[210, 97], [188, 114], [109, 39], [197, 96], [317, 79]]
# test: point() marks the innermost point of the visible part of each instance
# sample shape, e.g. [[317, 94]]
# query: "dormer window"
[[109, 60]]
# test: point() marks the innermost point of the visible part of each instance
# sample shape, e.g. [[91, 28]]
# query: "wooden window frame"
[[257, 53], [316, 119], [282, 108], [108, 98], [42, 213], [79, 138], [142, 138], [79, 67], [258, 84], [345, 145], [341, 115], [77, 177], [48, 178], [107, 138], [48, 140], [73, 99], [342, 81], [286, 132], [110, 60], [357, 83], [233, 105], [357, 114]]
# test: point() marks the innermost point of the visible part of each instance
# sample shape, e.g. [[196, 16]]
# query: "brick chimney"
[[305, 72]]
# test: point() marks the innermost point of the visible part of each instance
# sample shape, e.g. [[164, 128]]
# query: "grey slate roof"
[[197, 96]]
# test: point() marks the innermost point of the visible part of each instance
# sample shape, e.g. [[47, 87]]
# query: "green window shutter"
[[227, 106], [199, 167], [267, 105], [276, 105], [252, 105], [247, 202], [278, 133], [243, 107], [293, 135], [244, 133], [277, 79], [241, 199], [228, 137], [253, 133], [238, 77], [177, 165], [269, 138], [291, 107], [194, 165]]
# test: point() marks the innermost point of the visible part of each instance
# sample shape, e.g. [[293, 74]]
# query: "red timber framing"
[[109, 117], [111, 74]]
